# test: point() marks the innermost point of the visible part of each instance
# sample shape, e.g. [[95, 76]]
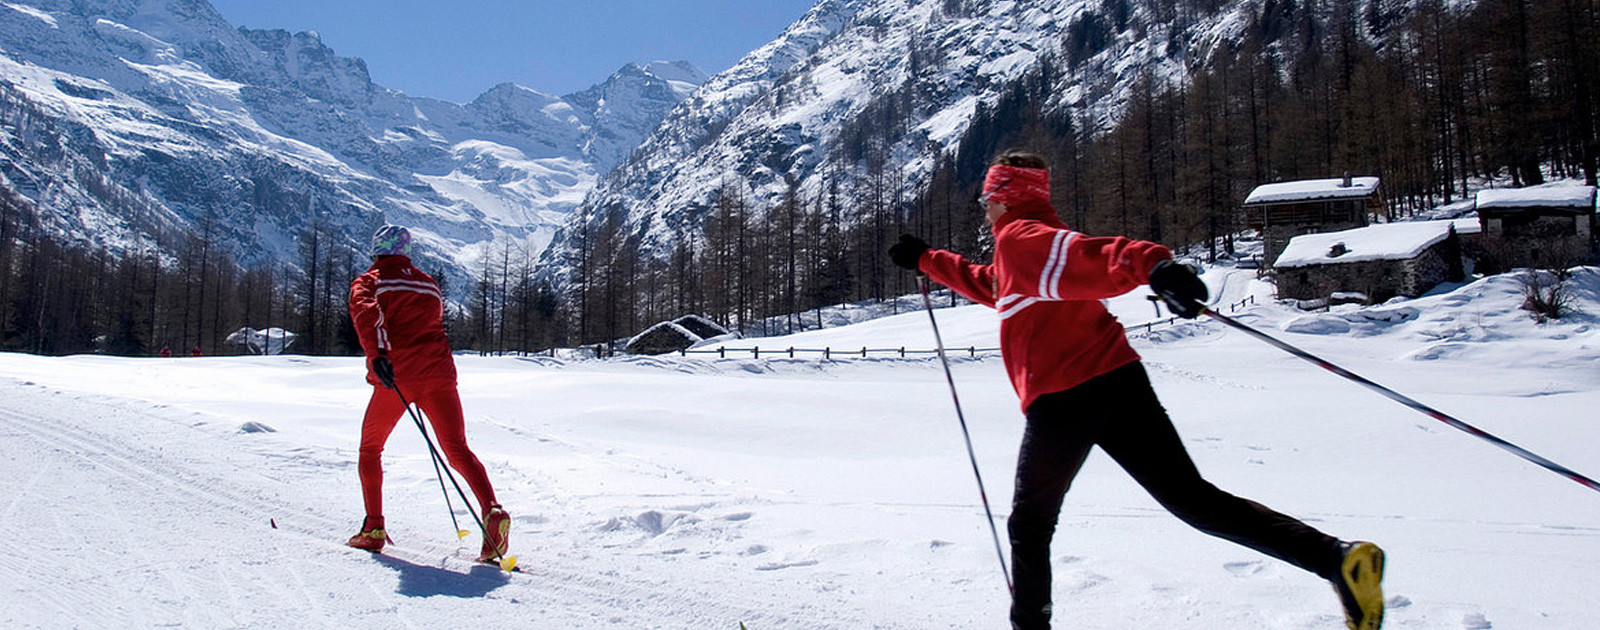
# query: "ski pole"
[[927, 302], [506, 562], [1408, 401], [438, 472]]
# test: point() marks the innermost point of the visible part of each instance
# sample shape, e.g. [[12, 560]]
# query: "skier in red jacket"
[[1082, 386], [398, 312]]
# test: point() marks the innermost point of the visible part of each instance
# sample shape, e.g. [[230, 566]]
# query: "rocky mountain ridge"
[[130, 124]]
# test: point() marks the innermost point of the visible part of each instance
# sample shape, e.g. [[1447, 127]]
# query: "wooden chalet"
[[1284, 210]]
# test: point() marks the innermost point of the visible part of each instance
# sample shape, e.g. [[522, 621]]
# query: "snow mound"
[[1319, 324]]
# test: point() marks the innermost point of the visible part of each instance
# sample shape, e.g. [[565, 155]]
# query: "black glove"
[[908, 251], [1179, 285], [385, 371]]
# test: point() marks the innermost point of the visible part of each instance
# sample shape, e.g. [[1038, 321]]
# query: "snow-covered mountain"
[[130, 123], [898, 82]]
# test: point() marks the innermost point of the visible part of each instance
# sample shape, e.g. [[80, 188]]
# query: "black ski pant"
[[1119, 412]]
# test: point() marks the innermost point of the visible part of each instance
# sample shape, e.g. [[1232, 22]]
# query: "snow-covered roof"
[[700, 326], [672, 326], [1312, 189], [1384, 241], [1542, 197]]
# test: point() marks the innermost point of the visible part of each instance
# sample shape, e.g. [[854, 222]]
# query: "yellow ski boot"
[[1360, 585]]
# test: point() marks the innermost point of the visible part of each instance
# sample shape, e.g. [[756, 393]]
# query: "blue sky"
[[454, 51]]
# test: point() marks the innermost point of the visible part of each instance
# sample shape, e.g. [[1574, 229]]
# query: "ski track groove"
[[300, 587], [101, 453], [69, 603]]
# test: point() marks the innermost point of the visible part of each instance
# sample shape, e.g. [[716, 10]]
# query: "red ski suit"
[[1047, 282], [398, 309]]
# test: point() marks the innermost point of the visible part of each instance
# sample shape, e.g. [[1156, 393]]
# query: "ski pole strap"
[[1409, 402]]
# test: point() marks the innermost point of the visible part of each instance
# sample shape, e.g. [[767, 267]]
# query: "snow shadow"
[[424, 581]]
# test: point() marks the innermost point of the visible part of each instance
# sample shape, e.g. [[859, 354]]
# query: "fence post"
[[973, 351], [722, 352], [863, 352], [791, 352], [757, 351], [825, 352], [902, 352]]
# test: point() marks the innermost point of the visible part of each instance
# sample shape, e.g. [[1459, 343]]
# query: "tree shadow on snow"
[[424, 581]]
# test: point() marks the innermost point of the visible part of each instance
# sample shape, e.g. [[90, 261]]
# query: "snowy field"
[[697, 493]]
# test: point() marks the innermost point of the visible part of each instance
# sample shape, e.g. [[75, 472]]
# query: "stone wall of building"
[[1537, 238], [1379, 280]]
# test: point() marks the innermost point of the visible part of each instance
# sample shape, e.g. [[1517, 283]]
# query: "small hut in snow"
[[1284, 210], [700, 326], [267, 341], [1545, 227], [679, 334], [1378, 261]]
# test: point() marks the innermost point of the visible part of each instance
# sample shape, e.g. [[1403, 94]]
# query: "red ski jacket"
[[1047, 283], [397, 308]]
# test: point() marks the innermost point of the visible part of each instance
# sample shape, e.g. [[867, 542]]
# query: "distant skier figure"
[[397, 311], [1082, 385]]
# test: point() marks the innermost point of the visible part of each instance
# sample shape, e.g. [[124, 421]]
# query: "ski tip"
[[461, 533], [508, 563]]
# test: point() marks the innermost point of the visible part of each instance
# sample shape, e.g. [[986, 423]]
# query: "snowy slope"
[[132, 122], [687, 493], [790, 108]]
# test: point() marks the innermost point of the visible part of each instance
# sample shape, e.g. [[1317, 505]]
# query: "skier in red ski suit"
[[1082, 385], [397, 311]]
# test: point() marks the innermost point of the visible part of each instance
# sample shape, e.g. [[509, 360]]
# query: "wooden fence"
[[833, 353], [757, 352], [602, 351]]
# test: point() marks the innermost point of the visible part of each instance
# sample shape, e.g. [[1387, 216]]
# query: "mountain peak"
[[509, 92], [680, 71], [629, 104]]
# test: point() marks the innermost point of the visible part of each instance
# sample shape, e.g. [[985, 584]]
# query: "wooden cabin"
[[1284, 210], [679, 334]]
